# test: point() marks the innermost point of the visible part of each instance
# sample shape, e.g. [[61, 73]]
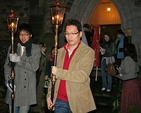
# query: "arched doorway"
[[106, 17]]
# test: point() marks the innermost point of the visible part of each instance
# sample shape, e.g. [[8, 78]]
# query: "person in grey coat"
[[26, 62]]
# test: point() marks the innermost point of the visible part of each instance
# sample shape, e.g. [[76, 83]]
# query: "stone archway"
[[83, 9]]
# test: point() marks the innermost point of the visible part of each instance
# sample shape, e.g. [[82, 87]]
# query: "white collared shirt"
[[70, 52]]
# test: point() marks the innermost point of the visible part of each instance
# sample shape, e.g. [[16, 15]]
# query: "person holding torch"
[[72, 93]]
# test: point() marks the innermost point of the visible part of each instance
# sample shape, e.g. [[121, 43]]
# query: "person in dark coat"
[[49, 64], [41, 78], [88, 34], [120, 42]]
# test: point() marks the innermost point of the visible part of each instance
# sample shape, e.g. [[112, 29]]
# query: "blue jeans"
[[62, 107], [106, 79], [20, 109]]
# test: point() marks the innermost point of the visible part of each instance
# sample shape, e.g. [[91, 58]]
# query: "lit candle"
[[57, 17], [12, 26], [52, 20]]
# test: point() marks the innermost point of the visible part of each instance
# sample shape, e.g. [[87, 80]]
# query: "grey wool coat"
[[25, 77], [77, 79]]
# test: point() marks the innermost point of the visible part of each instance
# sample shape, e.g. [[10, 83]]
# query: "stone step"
[[103, 99], [103, 109]]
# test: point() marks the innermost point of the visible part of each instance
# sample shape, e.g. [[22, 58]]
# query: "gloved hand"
[[14, 57], [9, 84]]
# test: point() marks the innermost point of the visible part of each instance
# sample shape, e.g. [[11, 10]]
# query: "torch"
[[12, 21], [57, 15]]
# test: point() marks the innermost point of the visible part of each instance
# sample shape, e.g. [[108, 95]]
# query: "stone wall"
[[79, 9]]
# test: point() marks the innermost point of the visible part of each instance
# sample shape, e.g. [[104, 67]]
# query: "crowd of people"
[[72, 92], [124, 57]]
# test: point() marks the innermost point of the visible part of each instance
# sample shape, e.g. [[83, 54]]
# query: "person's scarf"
[[28, 46]]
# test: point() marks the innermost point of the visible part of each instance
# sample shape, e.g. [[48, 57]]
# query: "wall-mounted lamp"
[[108, 9]]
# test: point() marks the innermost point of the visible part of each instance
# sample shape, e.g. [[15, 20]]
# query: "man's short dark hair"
[[25, 27], [75, 23]]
